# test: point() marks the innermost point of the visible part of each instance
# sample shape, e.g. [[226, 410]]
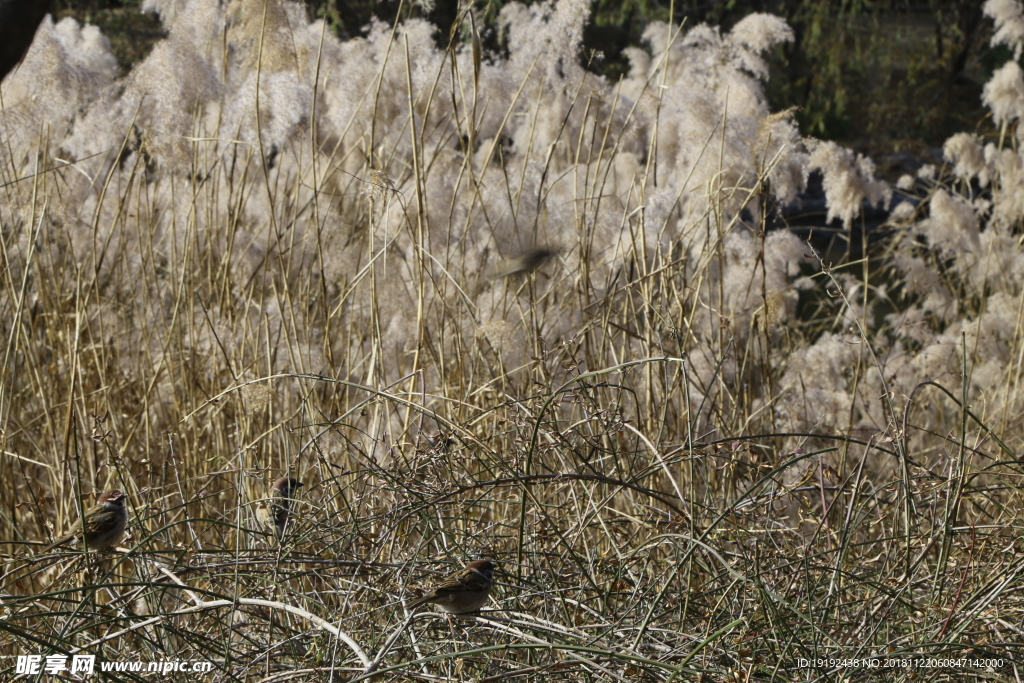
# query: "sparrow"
[[527, 262], [104, 524], [464, 591], [282, 493]]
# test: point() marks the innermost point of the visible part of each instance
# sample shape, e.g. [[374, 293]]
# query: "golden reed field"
[[492, 307]]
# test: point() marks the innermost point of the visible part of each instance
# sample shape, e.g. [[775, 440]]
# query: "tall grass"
[[697, 448]]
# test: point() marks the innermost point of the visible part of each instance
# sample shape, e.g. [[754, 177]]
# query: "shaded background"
[[891, 78]]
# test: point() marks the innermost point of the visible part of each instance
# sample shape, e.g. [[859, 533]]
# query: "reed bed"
[[492, 305]]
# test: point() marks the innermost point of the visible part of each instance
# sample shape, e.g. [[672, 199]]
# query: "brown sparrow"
[[282, 493], [527, 262], [464, 591], [104, 524]]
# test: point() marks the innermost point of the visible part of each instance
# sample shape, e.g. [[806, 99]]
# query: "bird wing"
[[466, 580]]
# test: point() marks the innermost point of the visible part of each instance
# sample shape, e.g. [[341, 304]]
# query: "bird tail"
[[422, 600], [59, 542]]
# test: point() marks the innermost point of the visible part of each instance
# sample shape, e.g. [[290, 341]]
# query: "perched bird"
[[282, 494], [464, 591], [104, 524]]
